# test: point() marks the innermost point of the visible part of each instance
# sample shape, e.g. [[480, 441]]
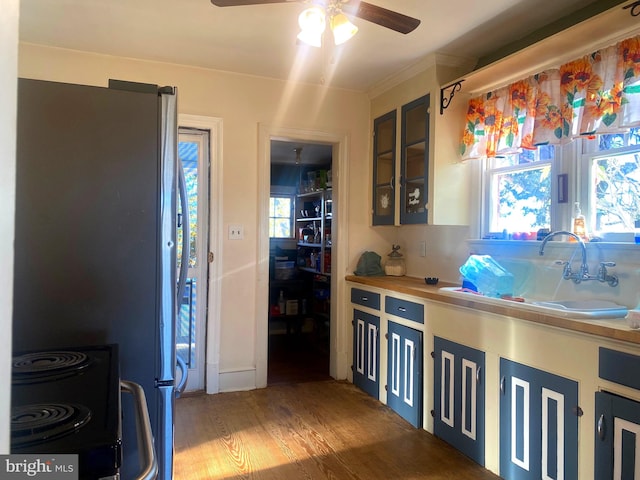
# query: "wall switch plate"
[[423, 249], [236, 232]]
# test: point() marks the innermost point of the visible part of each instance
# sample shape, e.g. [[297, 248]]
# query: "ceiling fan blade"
[[239, 3], [383, 17]]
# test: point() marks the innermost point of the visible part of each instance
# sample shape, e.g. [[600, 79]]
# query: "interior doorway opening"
[[300, 261]]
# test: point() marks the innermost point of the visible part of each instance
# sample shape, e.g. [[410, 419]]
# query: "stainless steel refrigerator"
[[95, 247]]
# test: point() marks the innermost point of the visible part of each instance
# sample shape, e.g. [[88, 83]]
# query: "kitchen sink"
[[579, 309], [587, 308]]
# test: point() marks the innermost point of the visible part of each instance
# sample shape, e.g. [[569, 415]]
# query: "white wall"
[[8, 84], [243, 103]]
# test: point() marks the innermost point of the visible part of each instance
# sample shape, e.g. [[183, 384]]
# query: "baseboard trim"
[[213, 378], [237, 380]]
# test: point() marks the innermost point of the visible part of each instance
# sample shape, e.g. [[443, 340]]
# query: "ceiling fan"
[[366, 11]]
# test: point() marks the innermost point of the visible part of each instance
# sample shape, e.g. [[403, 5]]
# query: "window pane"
[[610, 141], [415, 160], [416, 123], [188, 152], [282, 227], [186, 327], [384, 201], [384, 169], [521, 200], [415, 201], [543, 153], [385, 136], [616, 184], [281, 207], [280, 217]]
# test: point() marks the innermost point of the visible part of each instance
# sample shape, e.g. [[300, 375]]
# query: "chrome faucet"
[[583, 274]]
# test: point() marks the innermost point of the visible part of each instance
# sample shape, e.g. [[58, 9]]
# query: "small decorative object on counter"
[[431, 280], [542, 233], [395, 265], [369, 265], [633, 318]]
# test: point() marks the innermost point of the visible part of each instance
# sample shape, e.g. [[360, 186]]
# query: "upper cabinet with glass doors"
[[384, 169], [414, 165], [415, 161]]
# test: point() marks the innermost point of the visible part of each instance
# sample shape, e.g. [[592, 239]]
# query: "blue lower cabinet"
[[366, 352], [404, 372], [459, 395], [538, 424], [617, 450]]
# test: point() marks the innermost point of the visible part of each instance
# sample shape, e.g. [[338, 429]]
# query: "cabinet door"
[[459, 397], [366, 352], [404, 372], [384, 169], [617, 452], [538, 424], [414, 161]]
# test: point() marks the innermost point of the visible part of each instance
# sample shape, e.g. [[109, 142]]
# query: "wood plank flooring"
[[313, 430]]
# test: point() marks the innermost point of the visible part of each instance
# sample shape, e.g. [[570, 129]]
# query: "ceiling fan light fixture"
[[310, 38], [312, 25], [342, 28]]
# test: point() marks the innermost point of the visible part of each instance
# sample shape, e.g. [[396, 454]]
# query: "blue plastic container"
[[490, 278]]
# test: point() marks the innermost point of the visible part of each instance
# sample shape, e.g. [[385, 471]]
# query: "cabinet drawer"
[[405, 309], [366, 299], [619, 367]]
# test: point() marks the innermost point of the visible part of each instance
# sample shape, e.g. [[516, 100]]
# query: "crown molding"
[[431, 60]]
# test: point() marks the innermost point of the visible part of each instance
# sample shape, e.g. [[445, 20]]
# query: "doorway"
[[340, 331], [300, 244], [194, 155], [200, 147]]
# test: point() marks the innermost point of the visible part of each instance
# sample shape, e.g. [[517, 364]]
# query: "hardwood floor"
[[313, 430]]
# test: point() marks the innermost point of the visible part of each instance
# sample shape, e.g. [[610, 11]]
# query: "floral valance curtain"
[[598, 93]]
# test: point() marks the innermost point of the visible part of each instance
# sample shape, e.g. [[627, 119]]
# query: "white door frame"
[[212, 346], [339, 327]]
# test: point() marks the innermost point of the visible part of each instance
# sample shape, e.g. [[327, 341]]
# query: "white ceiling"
[[261, 39]]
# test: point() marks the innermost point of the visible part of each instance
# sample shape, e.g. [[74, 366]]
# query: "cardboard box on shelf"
[[292, 307]]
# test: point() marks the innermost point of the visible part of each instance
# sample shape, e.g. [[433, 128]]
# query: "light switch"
[[423, 249], [236, 232]]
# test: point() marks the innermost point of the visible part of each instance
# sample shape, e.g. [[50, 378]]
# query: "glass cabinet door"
[[415, 161], [384, 160]]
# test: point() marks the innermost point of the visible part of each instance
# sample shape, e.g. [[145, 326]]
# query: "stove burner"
[[39, 423], [39, 366]]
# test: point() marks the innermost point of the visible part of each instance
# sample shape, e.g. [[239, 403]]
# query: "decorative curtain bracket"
[[455, 87], [634, 8]]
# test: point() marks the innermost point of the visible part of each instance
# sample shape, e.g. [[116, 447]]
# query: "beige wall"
[[243, 103], [8, 69]]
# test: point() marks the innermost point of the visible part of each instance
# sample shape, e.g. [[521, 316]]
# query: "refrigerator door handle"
[[184, 370], [184, 204], [143, 427], [184, 267]]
